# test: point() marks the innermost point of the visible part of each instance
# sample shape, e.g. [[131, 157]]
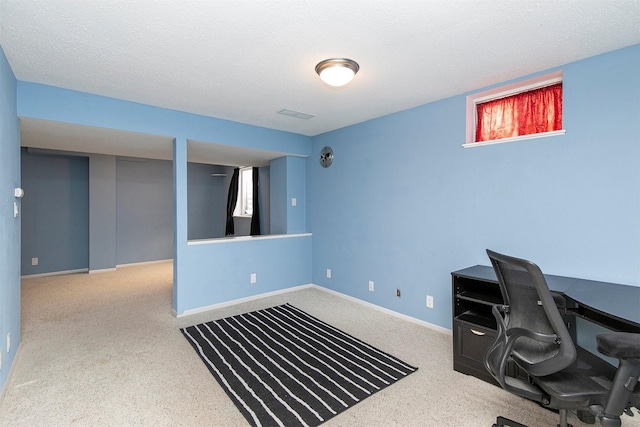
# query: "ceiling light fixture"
[[337, 71]]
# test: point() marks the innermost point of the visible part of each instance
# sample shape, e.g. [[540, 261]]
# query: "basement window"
[[515, 112], [244, 206]]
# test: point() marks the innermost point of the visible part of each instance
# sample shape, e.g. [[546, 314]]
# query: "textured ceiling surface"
[[245, 60]]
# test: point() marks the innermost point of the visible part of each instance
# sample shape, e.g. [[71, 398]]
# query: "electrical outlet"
[[253, 278], [8, 342], [328, 273], [294, 201], [34, 261], [429, 301], [0, 359], [371, 285], [398, 293]]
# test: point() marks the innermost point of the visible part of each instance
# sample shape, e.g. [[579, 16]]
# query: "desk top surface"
[[621, 301]]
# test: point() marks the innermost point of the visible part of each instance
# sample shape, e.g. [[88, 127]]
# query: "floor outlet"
[[398, 293], [371, 285], [429, 301]]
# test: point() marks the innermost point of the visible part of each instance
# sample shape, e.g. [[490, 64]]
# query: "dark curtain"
[[232, 199], [255, 218]]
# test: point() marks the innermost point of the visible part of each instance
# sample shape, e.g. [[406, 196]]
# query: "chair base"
[[506, 422]]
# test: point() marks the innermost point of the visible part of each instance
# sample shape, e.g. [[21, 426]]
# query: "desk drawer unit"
[[474, 327], [470, 344]]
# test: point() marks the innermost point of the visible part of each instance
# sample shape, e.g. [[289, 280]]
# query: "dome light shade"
[[337, 71]]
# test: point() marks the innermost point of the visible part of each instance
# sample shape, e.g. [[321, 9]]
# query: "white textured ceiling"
[[244, 60]]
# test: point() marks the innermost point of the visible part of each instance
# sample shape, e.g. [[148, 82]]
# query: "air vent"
[[296, 114]]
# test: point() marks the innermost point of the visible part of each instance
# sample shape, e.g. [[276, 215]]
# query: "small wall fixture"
[[326, 157], [337, 71]]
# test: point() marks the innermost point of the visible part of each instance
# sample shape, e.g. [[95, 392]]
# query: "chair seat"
[[588, 380]]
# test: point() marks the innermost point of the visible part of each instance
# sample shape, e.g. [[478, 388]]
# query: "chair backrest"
[[529, 304]]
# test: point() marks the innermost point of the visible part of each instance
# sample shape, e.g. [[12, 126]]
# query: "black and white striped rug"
[[281, 366]]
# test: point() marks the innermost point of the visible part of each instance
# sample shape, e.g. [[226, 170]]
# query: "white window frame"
[[501, 92], [245, 193]]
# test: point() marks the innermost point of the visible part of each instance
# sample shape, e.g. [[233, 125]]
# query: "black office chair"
[[532, 337]]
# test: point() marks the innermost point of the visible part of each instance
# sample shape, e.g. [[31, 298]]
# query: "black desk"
[[475, 290], [611, 305]]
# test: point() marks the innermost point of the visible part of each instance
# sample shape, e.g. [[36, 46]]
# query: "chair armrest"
[[621, 345], [626, 348]]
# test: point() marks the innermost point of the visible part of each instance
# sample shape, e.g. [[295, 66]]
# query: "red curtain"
[[526, 113]]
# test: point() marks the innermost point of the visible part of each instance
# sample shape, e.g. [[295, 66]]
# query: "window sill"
[[515, 139], [237, 239]]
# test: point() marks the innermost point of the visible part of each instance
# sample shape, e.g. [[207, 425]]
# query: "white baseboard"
[[311, 285], [239, 300], [102, 270], [387, 311], [56, 273], [10, 374], [135, 264]]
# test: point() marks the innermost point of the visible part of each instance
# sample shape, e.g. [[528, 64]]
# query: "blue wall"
[[296, 189], [278, 221], [265, 199], [55, 224], [129, 214], [9, 225], [144, 200], [404, 204], [207, 200], [56, 104], [94, 212], [221, 272], [292, 258], [102, 212], [287, 183], [216, 272]]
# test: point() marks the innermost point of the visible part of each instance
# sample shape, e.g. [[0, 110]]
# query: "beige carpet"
[[104, 350]]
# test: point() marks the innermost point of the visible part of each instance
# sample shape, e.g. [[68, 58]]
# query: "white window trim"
[[501, 92], [238, 210]]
